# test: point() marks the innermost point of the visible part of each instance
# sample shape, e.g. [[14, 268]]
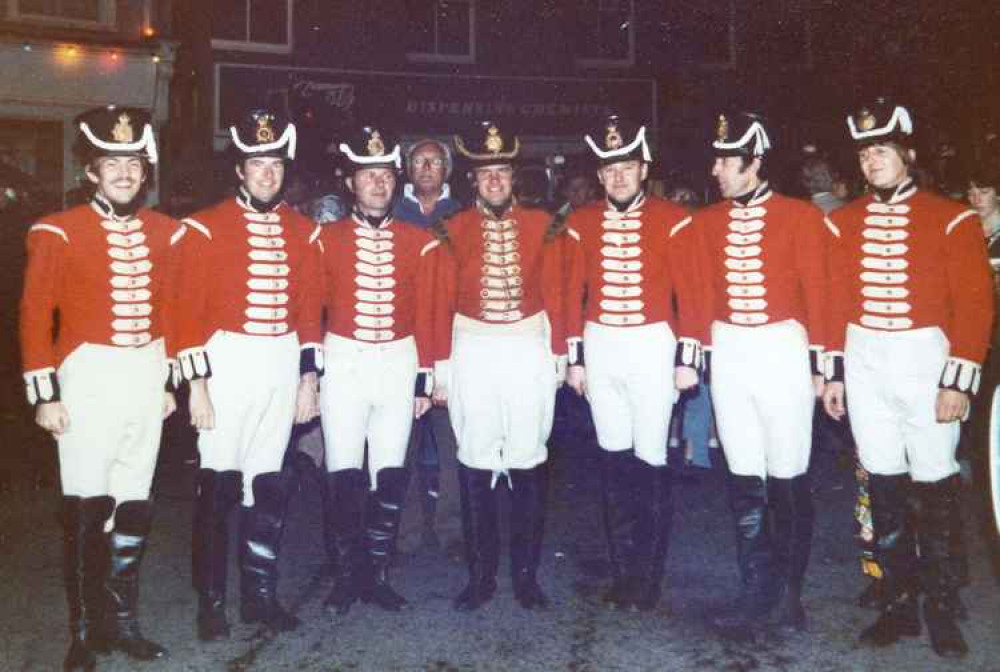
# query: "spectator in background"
[[984, 180], [427, 195], [982, 194], [817, 178], [427, 200], [686, 197], [579, 189], [695, 423]]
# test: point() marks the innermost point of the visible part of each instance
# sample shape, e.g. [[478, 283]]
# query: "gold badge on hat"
[[494, 143], [265, 133], [613, 139], [375, 145], [722, 129], [123, 131], [866, 120]]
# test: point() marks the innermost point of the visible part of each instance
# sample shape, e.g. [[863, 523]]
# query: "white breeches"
[[630, 386], [114, 397], [892, 386], [763, 396], [502, 393], [253, 389], [367, 394]]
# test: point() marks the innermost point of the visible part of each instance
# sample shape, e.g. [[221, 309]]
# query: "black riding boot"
[[127, 543], [480, 528], [527, 524], [939, 533], [895, 553], [348, 491], [263, 524], [791, 505], [218, 492], [619, 475], [755, 555], [385, 506], [656, 508], [85, 562]]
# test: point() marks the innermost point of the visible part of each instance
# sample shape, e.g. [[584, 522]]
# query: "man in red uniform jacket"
[[629, 257], [912, 314], [499, 332], [378, 288], [768, 289], [248, 344], [99, 386]]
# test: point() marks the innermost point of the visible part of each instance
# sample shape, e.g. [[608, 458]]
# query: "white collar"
[[409, 193]]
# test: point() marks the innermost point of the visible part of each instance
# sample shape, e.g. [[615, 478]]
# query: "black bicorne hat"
[[116, 131], [487, 143], [370, 147], [619, 139], [880, 121], [264, 132], [740, 134]]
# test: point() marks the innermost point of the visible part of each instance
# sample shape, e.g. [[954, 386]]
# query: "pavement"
[[577, 633]]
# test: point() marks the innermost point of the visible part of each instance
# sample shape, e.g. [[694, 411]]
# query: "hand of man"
[[420, 406], [53, 417], [307, 399], [685, 378], [440, 395], [200, 405], [833, 400], [819, 386], [951, 405], [576, 378], [169, 404]]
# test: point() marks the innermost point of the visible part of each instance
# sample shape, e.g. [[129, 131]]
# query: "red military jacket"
[[378, 283], [109, 277], [498, 270], [625, 268], [768, 261], [912, 261], [248, 272]]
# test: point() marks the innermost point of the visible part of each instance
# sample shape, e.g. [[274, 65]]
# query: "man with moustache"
[[631, 255], [912, 313], [378, 289], [248, 345], [766, 262], [99, 385], [499, 330], [427, 199]]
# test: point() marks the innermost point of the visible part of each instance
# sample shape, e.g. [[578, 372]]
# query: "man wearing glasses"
[[426, 200]]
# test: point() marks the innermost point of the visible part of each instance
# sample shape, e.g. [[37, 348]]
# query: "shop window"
[[84, 13], [607, 33], [252, 25], [442, 31]]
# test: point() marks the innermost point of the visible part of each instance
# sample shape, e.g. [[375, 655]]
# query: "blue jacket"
[[408, 208]]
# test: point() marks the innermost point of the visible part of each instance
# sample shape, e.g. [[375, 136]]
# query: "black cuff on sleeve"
[[310, 361], [423, 382], [706, 370], [43, 388], [195, 364], [575, 355], [688, 353], [833, 368], [816, 362], [174, 378], [961, 375]]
